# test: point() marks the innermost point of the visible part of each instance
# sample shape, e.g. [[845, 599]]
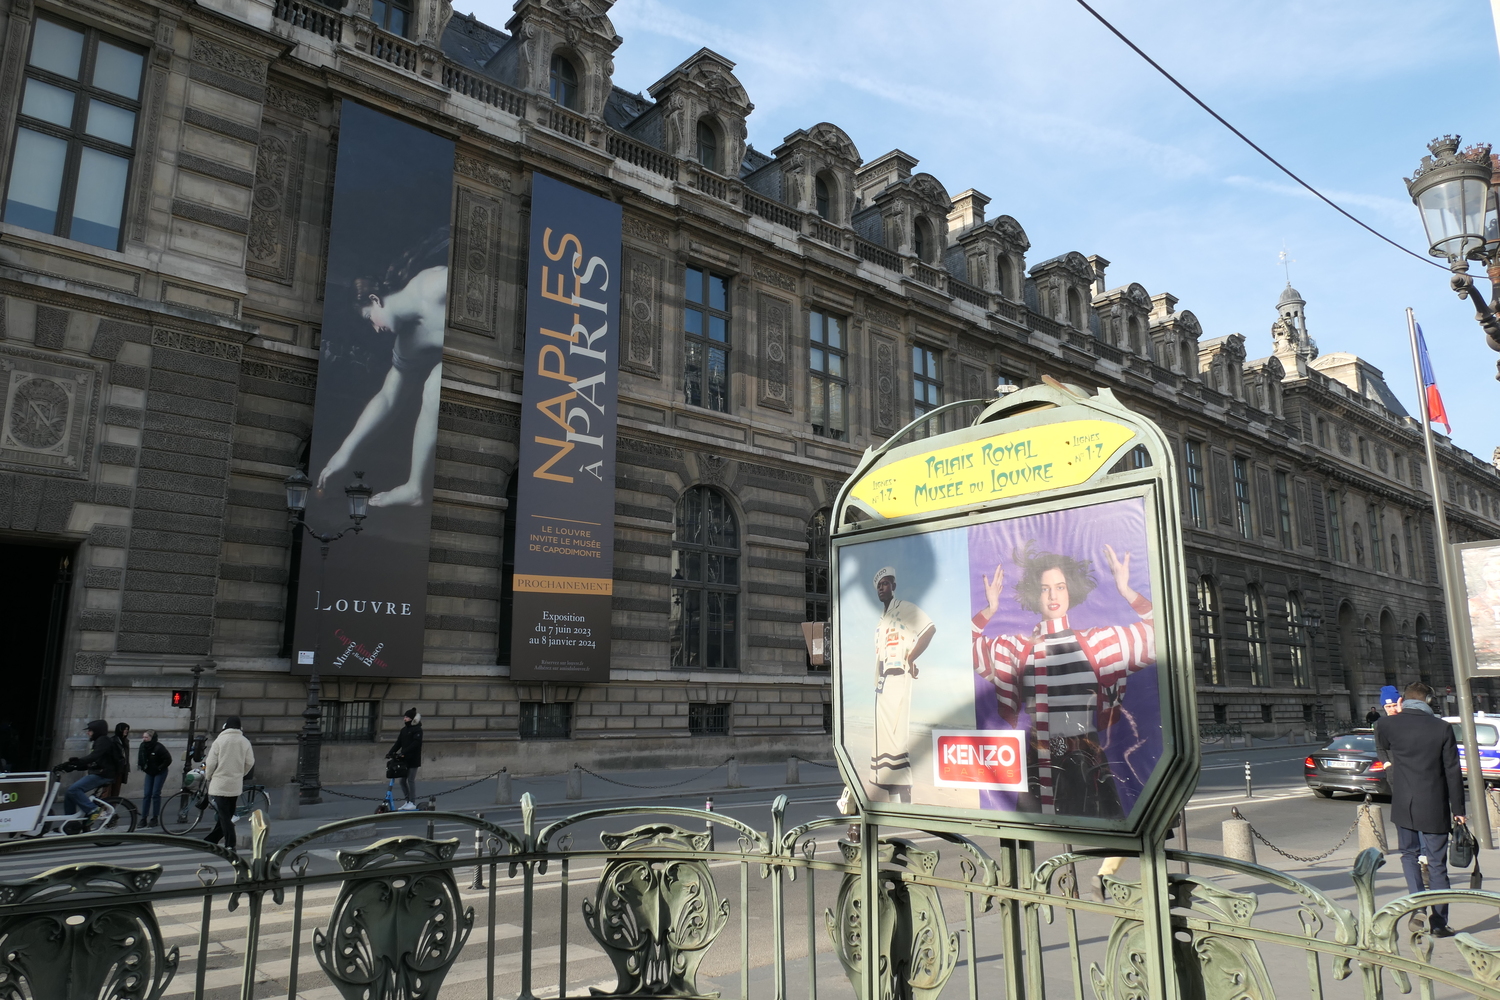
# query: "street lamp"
[[310, 740], [1453, 192]]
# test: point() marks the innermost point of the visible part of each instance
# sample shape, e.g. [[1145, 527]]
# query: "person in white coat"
[[230, 758]]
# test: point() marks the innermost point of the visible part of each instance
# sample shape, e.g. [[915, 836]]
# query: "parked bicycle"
[[183, 812], [30, 796]]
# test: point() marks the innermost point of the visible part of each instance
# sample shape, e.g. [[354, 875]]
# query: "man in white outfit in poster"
[[903, 633]]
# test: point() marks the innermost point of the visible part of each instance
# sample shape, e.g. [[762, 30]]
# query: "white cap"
[[883, 572]]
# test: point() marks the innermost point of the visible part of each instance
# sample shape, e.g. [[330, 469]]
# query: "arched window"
[[823, 196], [921, 235], [1388, 648], [1075, 309], [1134, 326], [705, 582], [815, 568], [564, 82], [708, 146], [1297, 641], [1255, 636], [1004, 275], [507, 571], [1209, 632]]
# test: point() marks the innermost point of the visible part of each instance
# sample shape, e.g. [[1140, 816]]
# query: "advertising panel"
[[1007, 665], [21, 798], [379, 376], [1479, 562], [1009, 641], [564, 576]]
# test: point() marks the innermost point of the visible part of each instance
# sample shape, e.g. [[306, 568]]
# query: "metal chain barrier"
[[675, 784], [432, 795], [814, 763], [1364, 816], [348, 795]]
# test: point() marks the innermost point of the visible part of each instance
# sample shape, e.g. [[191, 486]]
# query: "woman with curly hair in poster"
[[411, 302], [1069, 681]]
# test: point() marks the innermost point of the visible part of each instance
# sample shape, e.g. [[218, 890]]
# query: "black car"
[[1347, 764]]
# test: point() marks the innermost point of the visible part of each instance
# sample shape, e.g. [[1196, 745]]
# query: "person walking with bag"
[[1427, 791], [230, 758], [153, 760], [122, 773], [407, 754]]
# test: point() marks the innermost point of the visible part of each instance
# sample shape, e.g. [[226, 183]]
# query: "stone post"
[[575, 782], [291, 801], [502, 789], [1238, 843], [793, 771], [1372, 827], [733, 781]]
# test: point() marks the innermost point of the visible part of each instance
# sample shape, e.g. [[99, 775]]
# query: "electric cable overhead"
[[1247, 141]]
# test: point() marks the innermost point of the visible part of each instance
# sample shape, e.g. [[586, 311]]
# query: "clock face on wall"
[[37, 412]]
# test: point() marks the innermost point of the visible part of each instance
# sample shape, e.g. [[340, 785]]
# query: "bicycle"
[[38, 820], [252, 798]]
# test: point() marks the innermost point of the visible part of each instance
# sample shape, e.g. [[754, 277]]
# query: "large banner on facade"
[[379, 377], [1479, 564], [566, 494]]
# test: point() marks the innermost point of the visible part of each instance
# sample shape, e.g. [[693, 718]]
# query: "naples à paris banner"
[[566, 493], [380, 372]]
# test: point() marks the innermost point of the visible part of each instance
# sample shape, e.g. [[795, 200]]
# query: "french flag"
[[1434, 401]]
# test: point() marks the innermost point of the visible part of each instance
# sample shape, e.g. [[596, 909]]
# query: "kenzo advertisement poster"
[[380, 372]]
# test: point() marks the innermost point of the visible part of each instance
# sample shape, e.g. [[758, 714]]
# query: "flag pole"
[[1478, 812]]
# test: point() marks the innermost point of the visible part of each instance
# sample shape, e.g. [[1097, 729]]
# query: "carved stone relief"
[[50, 409], [156, 86], [775, 321], [476, 169], [883, 417], [1221, 488], [473, 302], [1268, 518], [276, 203], [643, 230], [1304, 514], [294, 103], [783, 281], [642, 312]]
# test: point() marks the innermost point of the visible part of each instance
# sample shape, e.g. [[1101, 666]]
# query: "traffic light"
[[182, 699]]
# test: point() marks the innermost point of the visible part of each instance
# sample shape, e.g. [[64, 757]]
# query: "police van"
[[1487, 734]]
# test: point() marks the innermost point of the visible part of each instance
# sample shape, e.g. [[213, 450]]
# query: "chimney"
[[1098, 263], [968, 210]]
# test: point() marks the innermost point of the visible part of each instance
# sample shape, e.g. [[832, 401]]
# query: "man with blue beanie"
[[1390, 699]]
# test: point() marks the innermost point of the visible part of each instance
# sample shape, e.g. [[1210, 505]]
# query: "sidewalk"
[[682, 786]]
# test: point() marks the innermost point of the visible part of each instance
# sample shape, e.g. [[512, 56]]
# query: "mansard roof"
[[472, 43]]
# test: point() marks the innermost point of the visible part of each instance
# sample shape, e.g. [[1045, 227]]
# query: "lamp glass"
[[296, 491], [359, 498], [1453, 213]]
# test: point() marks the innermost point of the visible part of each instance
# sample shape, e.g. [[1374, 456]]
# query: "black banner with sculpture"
[[566, 493], [380, 372]]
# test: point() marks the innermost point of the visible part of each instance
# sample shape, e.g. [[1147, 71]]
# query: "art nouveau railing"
[[673, 913]]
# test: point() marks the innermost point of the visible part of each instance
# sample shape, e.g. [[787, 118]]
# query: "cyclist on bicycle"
[[102, 764]]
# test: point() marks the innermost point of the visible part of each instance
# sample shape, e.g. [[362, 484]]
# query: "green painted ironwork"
[[954, 915]]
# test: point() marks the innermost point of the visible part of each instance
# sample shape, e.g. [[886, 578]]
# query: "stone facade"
[[185, 362]]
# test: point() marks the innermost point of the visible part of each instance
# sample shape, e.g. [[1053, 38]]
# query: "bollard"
[[1371, 827], [291, 801], [733, 780], [793, 771], [502, 789], [575, 782], [1249, 784], [708, 824], [1238, 843], [478, 882]]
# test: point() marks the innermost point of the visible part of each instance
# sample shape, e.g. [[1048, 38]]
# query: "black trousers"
[[223, 806], [1082, 782], [409, 784]]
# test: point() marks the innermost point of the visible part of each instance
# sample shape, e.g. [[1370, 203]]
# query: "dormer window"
[[564, 82], [1134, 326], [824, 202], [1075, 309], [923, 243], [708, 146]]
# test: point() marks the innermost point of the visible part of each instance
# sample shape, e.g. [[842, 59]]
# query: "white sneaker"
[[407, 807]]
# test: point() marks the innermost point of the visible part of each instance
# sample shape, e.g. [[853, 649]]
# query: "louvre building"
[[168, 169]]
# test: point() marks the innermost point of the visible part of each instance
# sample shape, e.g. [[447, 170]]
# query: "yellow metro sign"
[[1046, 457]]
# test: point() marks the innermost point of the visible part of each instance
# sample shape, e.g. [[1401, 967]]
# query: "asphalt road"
[[1281, 808]]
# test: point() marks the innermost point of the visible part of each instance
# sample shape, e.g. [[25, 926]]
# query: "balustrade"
[[772, 211], [563, 122], [876, 254], [488, 91], [968, 293], [391, 49], [715, 187], [311, 17], [642, 155]]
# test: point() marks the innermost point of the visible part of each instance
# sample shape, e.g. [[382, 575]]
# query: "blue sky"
[[1038, 106]]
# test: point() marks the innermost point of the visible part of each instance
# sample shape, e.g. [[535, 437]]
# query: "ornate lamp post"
[[310, 740], [1453, 192]]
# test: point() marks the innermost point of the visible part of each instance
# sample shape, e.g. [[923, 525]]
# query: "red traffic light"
[[182, 699]]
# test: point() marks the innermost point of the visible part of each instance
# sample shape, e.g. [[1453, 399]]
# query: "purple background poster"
[[1133, 744]]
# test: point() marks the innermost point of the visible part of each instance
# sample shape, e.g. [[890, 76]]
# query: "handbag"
[[1462, 847], [394, 768]]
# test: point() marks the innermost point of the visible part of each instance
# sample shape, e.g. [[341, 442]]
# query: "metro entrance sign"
[[1010, 637]]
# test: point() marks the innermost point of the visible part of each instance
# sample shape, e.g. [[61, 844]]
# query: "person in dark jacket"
[[153, 760], [122, 773], [102, 764], [408, 751], [1427, 791]]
